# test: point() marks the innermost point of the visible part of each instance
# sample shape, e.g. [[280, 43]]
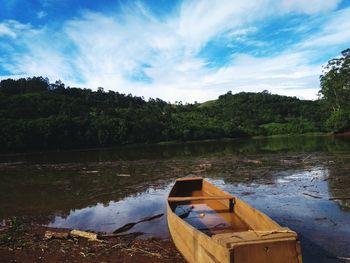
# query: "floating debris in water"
[[313, 196], [123, 175]]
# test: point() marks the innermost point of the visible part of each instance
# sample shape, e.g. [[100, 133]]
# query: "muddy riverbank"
[[23, 241]]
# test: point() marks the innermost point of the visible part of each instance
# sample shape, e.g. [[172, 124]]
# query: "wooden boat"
[[210, 225]]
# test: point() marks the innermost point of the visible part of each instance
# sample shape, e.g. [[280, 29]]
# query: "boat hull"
[[268, 243], [192, 244]]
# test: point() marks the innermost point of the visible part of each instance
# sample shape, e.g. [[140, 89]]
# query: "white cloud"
[[335, 32], [308, 6], [12, 28], [241, 32], [200, 20], [95, 50], [6, 30], [41, 14], [287, 74], [36, 51]]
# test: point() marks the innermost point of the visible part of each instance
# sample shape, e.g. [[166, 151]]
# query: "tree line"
[[38, 115]]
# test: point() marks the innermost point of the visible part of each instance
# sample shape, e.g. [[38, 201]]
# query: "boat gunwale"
[[225, 249], [288, 234]]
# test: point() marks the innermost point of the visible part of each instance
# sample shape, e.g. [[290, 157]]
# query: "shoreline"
[[29, 242], [342, 134], [165, 143]]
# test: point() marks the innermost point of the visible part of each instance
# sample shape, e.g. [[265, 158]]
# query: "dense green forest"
[[38, 115]]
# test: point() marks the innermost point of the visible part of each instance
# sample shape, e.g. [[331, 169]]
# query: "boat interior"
[[216, 212], [211, 216]]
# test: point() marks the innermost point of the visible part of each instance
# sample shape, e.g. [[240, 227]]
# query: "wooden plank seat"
[[199, 198]]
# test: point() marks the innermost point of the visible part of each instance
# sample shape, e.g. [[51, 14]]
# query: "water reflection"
[[109, 217], [287, 144], [339, 181]]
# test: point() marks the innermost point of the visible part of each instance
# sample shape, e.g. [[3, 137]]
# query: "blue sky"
[[175, 50]]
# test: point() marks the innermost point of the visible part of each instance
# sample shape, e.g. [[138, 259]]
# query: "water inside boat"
[[209, 216]]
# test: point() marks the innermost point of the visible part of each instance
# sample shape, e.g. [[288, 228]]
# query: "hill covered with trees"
[[38, 115]]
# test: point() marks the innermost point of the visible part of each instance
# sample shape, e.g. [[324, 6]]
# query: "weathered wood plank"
[[198, 198], [189, 179]]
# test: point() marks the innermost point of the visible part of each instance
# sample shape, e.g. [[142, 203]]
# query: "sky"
[[189, 50]]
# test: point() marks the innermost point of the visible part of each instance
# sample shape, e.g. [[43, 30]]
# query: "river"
[[295, 180]]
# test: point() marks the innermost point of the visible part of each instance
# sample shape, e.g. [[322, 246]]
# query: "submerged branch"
[[313, 196], [128, 226]]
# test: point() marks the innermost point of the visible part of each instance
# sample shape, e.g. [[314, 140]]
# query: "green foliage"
[[37, 115], [29, 85], [335, 82], [339, 121], [293, 127], [335, 90]]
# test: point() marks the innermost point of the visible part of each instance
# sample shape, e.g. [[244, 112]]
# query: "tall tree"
[[335, 89], [335, 82]]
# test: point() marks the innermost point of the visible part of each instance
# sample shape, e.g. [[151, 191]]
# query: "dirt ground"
[[26, 242]]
